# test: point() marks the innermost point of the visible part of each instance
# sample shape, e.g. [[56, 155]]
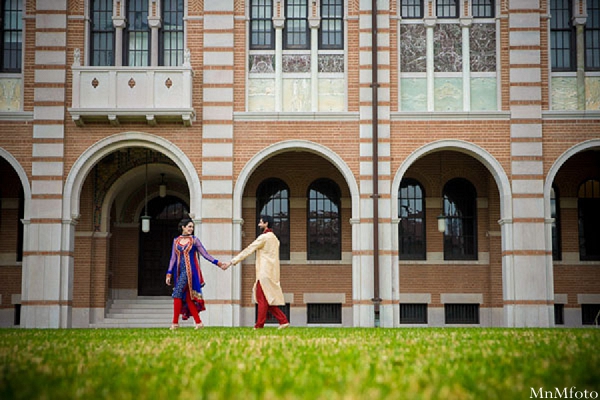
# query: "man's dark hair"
[[183, 223], [268, 219]]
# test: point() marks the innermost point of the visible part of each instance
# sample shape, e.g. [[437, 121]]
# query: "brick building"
[[443, 171]]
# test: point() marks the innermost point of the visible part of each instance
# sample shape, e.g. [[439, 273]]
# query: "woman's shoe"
[[199, 325], [174, 327]]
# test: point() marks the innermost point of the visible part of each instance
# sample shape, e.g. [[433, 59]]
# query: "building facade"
[[427, 162]]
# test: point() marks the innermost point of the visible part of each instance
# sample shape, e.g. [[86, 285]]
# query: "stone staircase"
[[141, 312]]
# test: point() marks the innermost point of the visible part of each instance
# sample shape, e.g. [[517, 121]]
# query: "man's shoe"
[[174, 327], [199, 325], [283, 326]]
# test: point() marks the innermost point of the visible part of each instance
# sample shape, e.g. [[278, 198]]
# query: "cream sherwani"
[[266, 247]]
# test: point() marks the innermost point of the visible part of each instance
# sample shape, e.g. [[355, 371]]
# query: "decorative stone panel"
[[331, 63], [262, 63], [11, 97], [261, 94], [448, 94], [483, 48], [414, 94], [592, 93], [483, 94], [564, 93], [296, 95], [413, 48], [296, 63], [447, 43]]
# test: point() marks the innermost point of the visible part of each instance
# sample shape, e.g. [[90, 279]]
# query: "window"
[[332, 25], [324, 233], [172, 33], [412, 9], [273, 198], [20, 225], [11, 12], [460, 237], [261, 25], [590, 314], [559, 314], [447, 8], [411, 228], [483, 8], [137, 50], [297, 32], [327, 313], [592, 36], [270, 318], [461, 313], [413, 313], [562, 36], [588, 206], [17, 320], [102, 33], [555, 213]]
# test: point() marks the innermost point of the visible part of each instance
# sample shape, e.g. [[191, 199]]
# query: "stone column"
[[278, 23], [216, 161], [527, 267], [363, 271], [314, 23], [430, 26], [119, 24], [46, 290], [466, 24], [155, 24], [579, 23]]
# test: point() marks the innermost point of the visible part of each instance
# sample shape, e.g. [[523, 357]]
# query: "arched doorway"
[[155, 245]]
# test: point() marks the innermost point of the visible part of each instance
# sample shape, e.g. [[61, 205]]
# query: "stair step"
[[141, 312]]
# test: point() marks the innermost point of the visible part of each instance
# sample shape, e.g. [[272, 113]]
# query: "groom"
[[266, 290]]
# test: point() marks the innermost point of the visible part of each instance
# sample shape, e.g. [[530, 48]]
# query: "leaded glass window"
[[331, 34], [324, 229], [262, 34], [562, 46], [411, 228], [172, 33], [296, 32], [11, 23], [273, 199], [588, 207], [460, 211], [137, 49]]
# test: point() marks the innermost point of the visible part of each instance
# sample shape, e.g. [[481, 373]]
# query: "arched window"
[[324, 232], [273, 198], [411, 228], [588, 206], [460, 210], [555, 213]]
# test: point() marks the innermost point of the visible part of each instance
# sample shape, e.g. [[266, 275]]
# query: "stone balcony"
[[120, 94]]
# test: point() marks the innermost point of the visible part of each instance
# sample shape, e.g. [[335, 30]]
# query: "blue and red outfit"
[[184, 267]]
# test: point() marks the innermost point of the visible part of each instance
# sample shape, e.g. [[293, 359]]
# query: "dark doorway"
[[155, 246]]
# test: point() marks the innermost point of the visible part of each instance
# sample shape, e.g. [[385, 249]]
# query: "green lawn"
[[297, 363]]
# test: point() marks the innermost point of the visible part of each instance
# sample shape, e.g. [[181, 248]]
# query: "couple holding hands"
[[185, 274]]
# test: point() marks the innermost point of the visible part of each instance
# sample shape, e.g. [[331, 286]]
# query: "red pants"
[[263, 307], [177, 304]]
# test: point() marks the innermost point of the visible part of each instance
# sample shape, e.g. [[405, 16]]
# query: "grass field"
[[297, 363]]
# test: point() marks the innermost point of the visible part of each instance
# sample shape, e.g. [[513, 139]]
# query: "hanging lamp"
[[145, 217]]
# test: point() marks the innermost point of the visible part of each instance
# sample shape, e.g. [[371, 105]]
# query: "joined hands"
[[224, 265]]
